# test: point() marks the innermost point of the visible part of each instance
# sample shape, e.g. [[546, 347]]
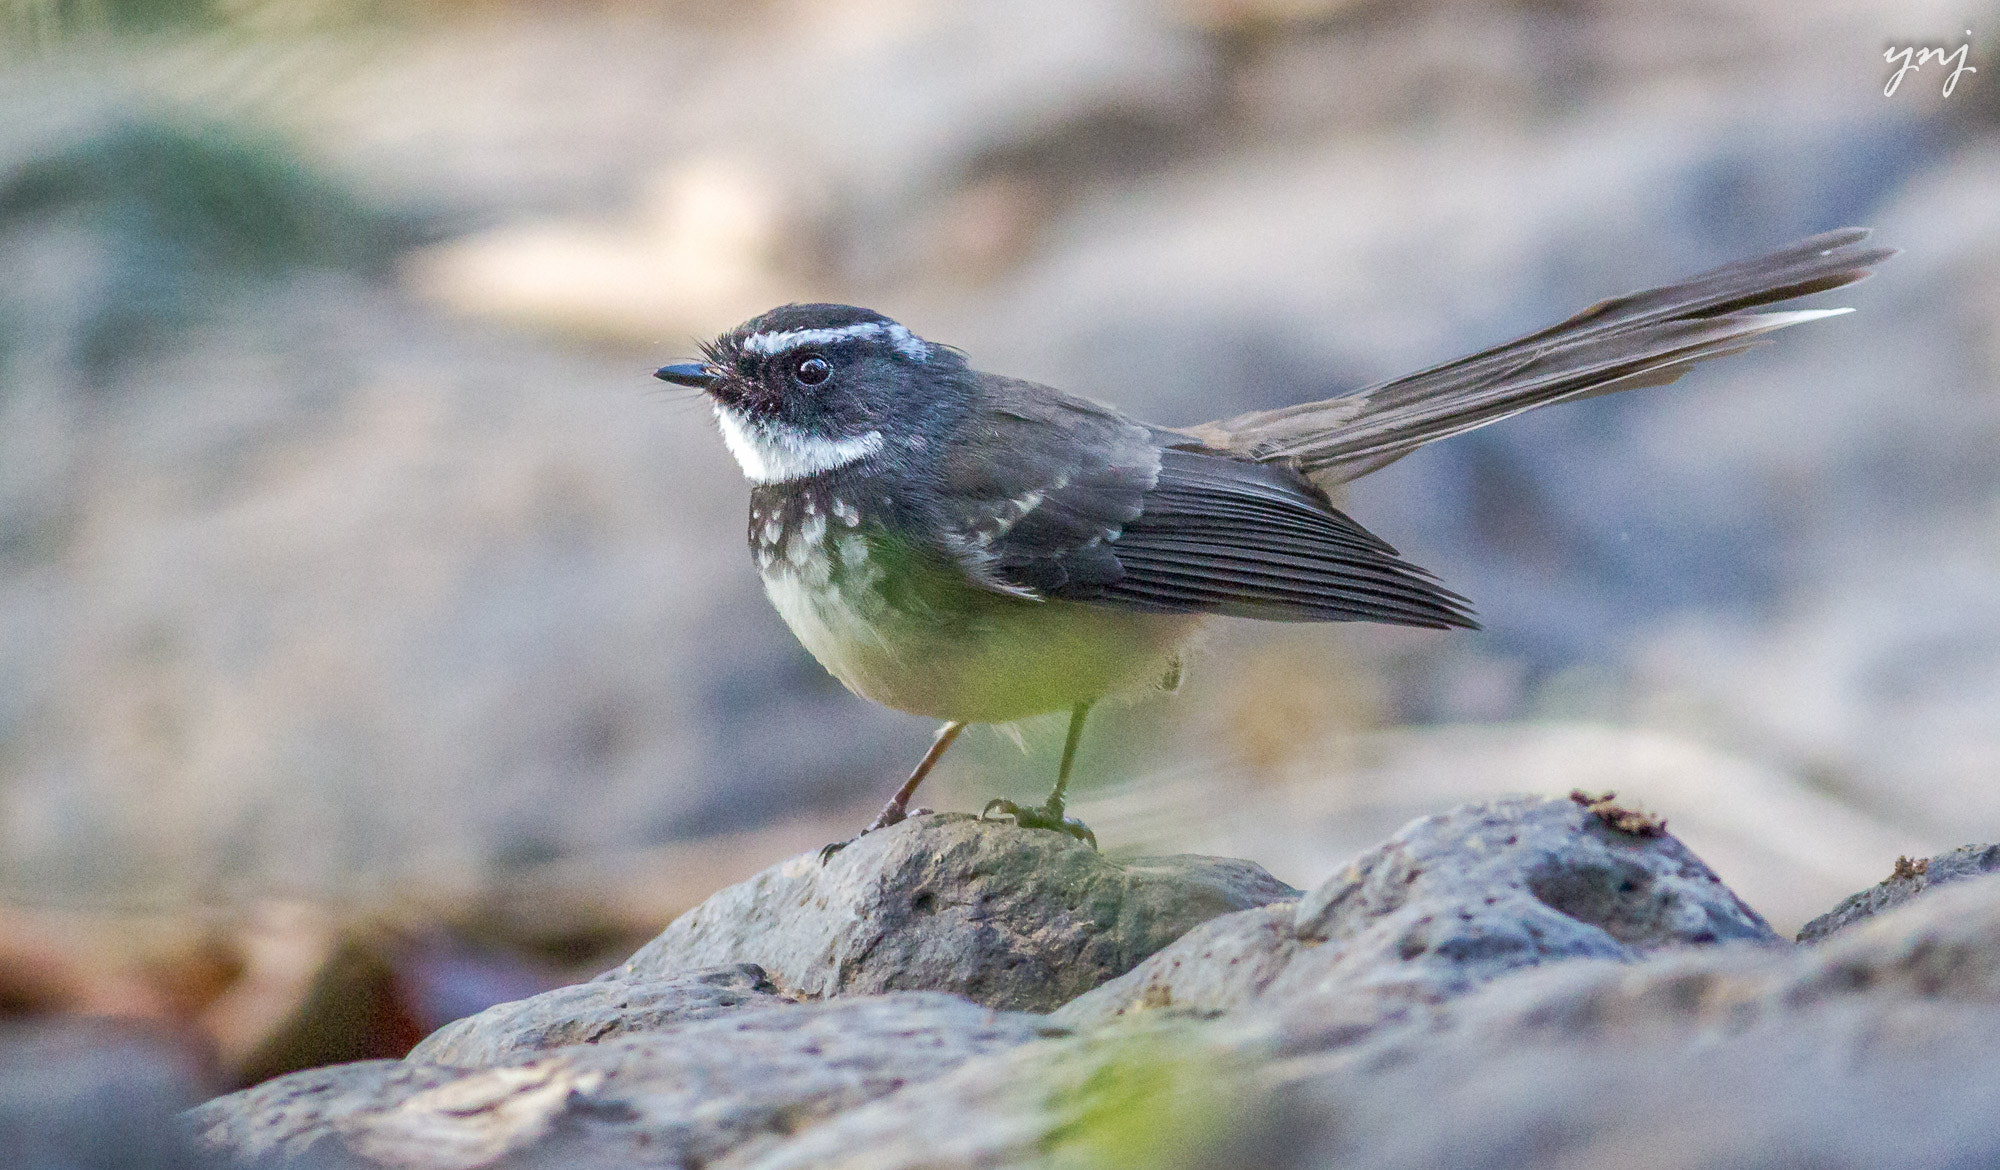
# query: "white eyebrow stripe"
[[907, 343], [770, 454]]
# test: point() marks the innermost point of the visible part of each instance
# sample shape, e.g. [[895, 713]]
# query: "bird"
[[977, 548]]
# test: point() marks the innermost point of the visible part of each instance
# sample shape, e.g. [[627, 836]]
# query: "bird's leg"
[[1050, 814], [898, 807], [899, 804]]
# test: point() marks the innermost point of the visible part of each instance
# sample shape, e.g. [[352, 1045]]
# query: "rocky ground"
[[1521, 982]]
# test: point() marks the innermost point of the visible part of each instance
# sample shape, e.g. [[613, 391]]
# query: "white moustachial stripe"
[[772, 454], [907, 343]]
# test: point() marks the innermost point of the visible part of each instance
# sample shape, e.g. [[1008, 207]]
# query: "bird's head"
[[804, 389]]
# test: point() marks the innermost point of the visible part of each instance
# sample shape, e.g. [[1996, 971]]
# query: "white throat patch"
[[907, 343], [771, 454]]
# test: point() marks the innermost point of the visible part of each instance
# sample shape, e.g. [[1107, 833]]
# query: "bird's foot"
[[1045, 816], [888, 817]]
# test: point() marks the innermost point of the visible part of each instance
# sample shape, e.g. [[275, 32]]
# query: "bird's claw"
[[1041, 817], [882, 822]]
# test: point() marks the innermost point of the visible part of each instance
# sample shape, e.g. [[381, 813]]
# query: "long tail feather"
[[1643, 339]]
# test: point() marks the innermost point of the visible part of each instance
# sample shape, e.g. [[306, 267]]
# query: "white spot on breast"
[[846, 513], [807, 552]]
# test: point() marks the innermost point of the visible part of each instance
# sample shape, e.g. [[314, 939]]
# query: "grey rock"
[[1909, 879], [683, 1096], [1008, 917], [1845, 1086], [1877, 1049], [1015, 1107], [1943, 949], [1678, 1030], [1450, 902], [587, 1013], [1946, 945]]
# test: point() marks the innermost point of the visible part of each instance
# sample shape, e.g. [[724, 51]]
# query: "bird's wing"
[[1036, 485], [1644, 339], [1058, 498], [1220, 534]]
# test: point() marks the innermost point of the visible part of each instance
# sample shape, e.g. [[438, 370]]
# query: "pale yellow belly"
[[981, 657]]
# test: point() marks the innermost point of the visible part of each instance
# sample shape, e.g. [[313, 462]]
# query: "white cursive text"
[[1911, 58]]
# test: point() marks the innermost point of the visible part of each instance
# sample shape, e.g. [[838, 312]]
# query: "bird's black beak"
[[693, 374]]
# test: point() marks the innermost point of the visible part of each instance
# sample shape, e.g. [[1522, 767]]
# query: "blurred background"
[[378, 641]]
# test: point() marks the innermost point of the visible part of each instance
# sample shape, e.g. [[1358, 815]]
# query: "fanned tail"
[[1643, 339]]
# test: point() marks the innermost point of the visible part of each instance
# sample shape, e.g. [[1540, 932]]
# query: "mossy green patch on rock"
[[1155, 1100]]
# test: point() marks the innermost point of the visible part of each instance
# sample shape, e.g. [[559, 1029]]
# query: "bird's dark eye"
[[811, 369]]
